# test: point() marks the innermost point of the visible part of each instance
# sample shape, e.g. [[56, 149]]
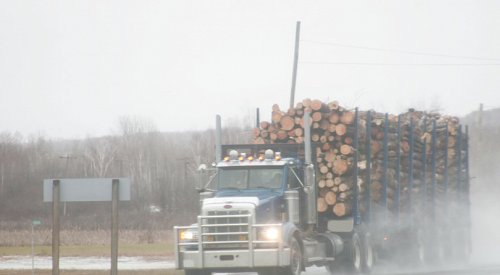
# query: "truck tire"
[[350, 261], [354, 260], [367, 253], [296, 263]]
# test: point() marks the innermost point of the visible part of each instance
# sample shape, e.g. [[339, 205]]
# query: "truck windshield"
[[248, 178]]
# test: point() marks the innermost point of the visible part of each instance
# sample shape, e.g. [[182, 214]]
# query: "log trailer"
[[261, 214]]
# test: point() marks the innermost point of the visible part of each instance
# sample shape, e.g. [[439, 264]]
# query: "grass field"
[[88, 243], [83, 237], [144, 250], [76, 243]]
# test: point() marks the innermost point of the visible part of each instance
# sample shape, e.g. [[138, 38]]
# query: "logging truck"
[[279, 207]]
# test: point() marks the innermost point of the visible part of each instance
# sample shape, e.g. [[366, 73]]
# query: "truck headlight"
[[188, 235], [269, 234]]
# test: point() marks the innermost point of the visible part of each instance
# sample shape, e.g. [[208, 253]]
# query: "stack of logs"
[[333, 132]]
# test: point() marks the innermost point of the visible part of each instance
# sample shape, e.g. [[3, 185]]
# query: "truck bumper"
[[233, 259]]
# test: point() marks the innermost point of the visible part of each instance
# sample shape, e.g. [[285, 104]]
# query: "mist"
[[485, 217]]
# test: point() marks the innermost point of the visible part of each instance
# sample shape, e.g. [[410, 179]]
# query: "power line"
[[400, 64], [400, 51]]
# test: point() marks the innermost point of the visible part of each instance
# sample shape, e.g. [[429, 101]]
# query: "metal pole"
[[257, 124], [398, 169], [434, 171], [459, 158], [385, 164], [357, 216], [446, 177], [218, 142], [424, 172], [295, 62], [56, 191], [410, 173], [467, 182], [310, 189], [423, 197], [368, 150], [458, 151], [466, 164], [114, 226]]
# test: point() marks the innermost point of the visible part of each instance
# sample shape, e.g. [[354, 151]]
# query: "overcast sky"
[[70, 69]]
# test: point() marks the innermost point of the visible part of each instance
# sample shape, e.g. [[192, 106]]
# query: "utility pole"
[[295, 61]]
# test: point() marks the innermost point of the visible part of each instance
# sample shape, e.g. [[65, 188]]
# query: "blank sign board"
[[97, 189]]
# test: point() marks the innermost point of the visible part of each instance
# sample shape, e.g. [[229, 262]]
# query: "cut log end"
[[321, 205], [287, 123], [341, 209]]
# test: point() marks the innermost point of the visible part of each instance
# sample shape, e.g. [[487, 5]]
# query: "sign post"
[[33, 224], [56, 191], [114, 226], [97, 189]]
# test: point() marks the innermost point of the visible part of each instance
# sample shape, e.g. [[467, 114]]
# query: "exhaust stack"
[[218, 143], [310, 188]]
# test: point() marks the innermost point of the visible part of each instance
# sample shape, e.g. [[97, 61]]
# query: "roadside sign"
[[36, 222], [91, 189], [86, 189]]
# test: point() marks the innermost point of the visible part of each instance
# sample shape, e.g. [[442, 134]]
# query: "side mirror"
[[202, 190]]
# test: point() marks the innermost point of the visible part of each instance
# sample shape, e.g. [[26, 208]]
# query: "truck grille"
[[226, 229]]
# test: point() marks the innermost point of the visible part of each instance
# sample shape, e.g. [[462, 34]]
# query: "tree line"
[[163, 168]]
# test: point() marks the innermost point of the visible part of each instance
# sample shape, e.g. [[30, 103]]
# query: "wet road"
[[85, 263], [479, 269], [140, 263]]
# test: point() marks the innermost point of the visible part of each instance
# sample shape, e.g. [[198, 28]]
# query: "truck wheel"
[[367, 254], [296, 264], [354, 255], [350, 261]]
